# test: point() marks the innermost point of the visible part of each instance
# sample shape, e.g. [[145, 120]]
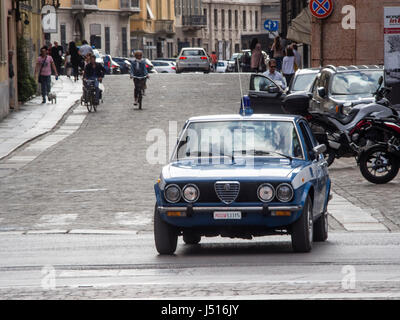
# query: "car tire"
[[190, 238], [320, 232], [165, 235], [178, 71], [302, 229]]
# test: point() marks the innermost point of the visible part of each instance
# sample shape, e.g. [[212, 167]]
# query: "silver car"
[[192, 59]]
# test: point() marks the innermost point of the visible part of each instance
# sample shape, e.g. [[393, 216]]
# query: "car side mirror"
[[322, 92], [320, 149], [273, 89]]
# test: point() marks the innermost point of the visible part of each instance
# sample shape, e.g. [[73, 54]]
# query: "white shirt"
[[288, 65], [277, 77], [85, 49]]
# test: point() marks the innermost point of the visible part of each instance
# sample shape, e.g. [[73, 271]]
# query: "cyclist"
[[138, 69], [94, 71]]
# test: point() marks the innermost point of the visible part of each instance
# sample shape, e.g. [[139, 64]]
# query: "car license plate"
[[230, 215]]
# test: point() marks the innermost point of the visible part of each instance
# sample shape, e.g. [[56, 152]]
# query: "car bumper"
[[268, 216]]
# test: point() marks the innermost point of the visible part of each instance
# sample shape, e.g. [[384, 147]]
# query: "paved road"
[[77, 266], [91, 173]]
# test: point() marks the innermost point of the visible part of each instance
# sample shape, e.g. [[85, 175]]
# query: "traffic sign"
[[271, 25], [321, 9]]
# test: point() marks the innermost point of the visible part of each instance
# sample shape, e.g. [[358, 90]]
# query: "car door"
[[318, 168], [265, 95]]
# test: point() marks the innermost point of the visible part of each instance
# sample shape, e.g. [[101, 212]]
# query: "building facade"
[[105, 24], [231, 25], [190, 22], [153, 29]]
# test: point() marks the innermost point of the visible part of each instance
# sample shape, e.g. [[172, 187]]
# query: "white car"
[[222, 66], [164, 66], [193, 60]]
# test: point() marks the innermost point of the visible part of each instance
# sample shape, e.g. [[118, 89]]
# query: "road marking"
[[83, 190], [56, 220], [352, 217]]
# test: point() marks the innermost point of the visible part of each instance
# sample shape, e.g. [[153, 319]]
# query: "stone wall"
[[359, 46]]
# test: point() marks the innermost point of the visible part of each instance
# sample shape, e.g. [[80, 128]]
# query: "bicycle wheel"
[[89, 105]]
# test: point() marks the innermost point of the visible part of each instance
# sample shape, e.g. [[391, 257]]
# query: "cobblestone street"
[[99, 178]]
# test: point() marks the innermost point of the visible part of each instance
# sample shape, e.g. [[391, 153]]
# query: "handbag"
[[40, 71]]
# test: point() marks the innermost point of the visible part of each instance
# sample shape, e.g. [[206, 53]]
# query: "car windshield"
[[193, 53], [303, 82], [356, 82], [244, 138]]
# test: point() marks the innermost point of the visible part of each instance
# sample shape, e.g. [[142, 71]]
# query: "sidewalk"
[[34, 118]]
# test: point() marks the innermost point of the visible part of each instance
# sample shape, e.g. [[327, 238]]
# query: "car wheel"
[[165, 235], [321, 228], [190, 238], [178, 71], [302, 229]]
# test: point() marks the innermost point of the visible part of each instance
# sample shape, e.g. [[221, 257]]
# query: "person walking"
[[274, 75], [11, 75], [57, 53], [288, 65], [75, 59], [257, 59], [85, 48], [44, 65], [277, 49], [297, 56], [214, 60]]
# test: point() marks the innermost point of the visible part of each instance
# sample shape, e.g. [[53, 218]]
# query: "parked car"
[[110, 65], [245, 60], [222, 65], [192, 59], [275, 182], [149, 65], [164, 66], [232, 63], [303, 80], [124, 64], [346, 85], [98, 56]]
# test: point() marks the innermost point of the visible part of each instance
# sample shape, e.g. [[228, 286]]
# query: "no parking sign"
[[321, 9]]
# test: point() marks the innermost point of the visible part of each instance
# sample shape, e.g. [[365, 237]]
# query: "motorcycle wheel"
[[329, 155], [378, 165]]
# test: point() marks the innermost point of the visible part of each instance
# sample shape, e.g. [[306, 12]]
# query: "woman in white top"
[[288, 65]]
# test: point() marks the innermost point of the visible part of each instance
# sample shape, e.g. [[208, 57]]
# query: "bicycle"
[[89, 95], [139, 89]]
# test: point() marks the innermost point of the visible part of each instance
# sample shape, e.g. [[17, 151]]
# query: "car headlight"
[[284, 192], [190, 193], [266, 192], [172, 193]]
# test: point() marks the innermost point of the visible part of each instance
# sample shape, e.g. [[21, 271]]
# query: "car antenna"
[[241, 89]]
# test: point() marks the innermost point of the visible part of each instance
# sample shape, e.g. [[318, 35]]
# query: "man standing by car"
[[138, 69], [275, 75]]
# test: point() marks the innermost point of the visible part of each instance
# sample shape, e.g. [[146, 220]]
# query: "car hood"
[[267, 168]]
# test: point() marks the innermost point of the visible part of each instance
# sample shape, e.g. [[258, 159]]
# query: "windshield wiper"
[[264, 153]]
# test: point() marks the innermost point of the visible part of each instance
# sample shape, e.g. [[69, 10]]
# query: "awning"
[[149, 11], [300, 28]]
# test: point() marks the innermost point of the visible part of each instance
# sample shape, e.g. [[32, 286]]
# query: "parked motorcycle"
[[380, 163], [345, 135]]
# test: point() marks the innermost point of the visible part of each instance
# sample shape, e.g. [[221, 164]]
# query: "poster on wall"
[[392, 45]]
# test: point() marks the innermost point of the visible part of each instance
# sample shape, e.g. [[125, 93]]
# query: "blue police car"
[[243, 176]]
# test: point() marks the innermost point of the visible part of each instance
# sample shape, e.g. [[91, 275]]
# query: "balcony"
[[164, 26], [194, 22], [129, 7], [84, 5]]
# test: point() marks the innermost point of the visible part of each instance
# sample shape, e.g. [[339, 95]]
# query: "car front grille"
[[227, 191]]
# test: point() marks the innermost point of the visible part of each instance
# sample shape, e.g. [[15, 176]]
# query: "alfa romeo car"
[[242, 176]]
